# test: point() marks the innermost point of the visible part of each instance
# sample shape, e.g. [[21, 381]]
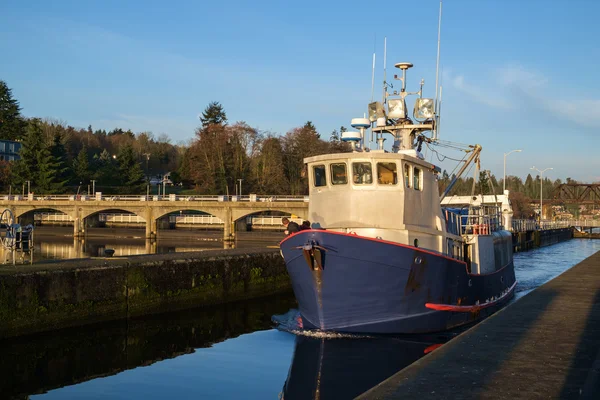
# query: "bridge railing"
[[182, 219], [169, 197], [524, 225], [193, 219], [585, 223], [122, 218], [52, 217], [269, 220]]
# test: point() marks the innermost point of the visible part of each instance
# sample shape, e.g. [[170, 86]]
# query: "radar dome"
[[360, 123], [351, 136]]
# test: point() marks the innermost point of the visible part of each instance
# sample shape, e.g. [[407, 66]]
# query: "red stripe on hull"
[[353, 235], [472, 308]]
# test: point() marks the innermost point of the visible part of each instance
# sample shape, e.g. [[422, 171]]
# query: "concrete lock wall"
[[86, 291], [523, 241]]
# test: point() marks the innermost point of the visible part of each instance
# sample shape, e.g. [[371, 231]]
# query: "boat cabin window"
[[417, 179], [361, 173], [319, 175], [338, 174], [407, 175], [386, 173]]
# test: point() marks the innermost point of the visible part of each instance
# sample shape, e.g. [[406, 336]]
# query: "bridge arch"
[[242, 213], [150, 211], [85, 213], [20, 212], [161, 213]]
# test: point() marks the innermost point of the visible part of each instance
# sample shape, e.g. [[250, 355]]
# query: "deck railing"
[[169, 197], [479, 224]]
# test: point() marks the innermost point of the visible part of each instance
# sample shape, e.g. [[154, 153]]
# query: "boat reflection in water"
[[343, 366]]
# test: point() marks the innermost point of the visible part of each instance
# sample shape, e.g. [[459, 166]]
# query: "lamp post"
[[93, 186], [28, 187], [240, 191], [541, 188], [504, 178]]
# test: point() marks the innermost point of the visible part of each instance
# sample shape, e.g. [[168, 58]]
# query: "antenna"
[[373, 78], [384, 70], [437, 68], [438, 115]]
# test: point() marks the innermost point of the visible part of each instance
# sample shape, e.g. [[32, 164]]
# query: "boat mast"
[[383, 101], [437, 75]]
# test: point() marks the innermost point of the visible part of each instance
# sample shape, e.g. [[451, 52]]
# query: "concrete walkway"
[[544, 346]]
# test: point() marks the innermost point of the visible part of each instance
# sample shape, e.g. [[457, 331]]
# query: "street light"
[[28, 187], [93, 186], [541, 188], [504, 179], [240, 181]]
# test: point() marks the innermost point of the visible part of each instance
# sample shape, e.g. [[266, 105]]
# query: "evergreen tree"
[[335, 137], [37, 164], [309, 127], [130, 171], [107, 173], [214, 113], [529, 189], [483, 186], [12, 124], [63, 172], [46, 181], [81, 166], [27, 168], [5, 176]]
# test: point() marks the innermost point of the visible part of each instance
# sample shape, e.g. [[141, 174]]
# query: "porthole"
[[470, 283], [418, 260]]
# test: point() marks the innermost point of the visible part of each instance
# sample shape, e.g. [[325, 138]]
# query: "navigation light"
[[396, 108], [423, 108], [376, 111]]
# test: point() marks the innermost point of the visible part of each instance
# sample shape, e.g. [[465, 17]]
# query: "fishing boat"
[[383, 255]]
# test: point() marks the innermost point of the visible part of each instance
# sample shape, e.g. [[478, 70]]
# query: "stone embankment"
[[42, 297]]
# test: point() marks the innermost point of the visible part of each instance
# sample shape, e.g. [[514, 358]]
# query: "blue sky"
[[515, 73]]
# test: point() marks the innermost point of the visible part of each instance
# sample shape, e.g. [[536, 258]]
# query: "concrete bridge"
[[151, 208]]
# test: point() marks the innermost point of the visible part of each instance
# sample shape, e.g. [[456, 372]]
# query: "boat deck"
[[545, 345]]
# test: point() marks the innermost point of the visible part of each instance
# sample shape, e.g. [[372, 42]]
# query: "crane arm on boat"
[[472, 158]]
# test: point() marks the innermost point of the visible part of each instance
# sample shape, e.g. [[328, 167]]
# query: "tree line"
[[59, 158]]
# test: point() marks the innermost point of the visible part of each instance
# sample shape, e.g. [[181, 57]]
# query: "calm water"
[[229, 352], [53, 243]]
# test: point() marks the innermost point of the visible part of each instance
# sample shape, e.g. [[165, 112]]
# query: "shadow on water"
[[38, 363]]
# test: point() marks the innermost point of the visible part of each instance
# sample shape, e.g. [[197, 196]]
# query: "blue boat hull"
[[349, 283]]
